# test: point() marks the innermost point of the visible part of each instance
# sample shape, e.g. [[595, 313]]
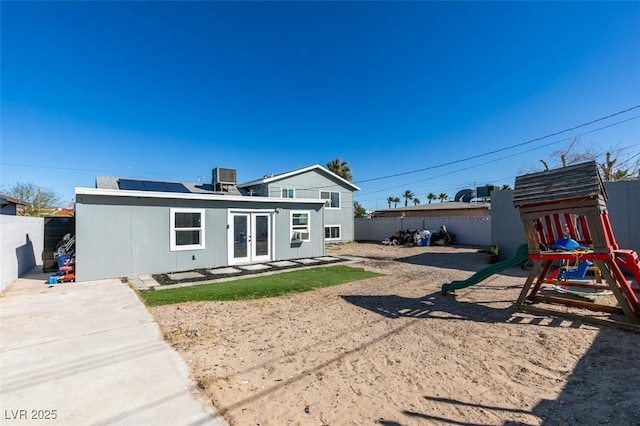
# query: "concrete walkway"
[[89, 354]]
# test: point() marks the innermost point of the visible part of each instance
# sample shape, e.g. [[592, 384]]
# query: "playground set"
[[568, 235]]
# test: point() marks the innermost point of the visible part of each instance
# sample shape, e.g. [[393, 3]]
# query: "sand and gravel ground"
[[393, 351]]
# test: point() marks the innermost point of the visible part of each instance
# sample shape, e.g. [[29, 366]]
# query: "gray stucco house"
[[313, 182], [130, 227]]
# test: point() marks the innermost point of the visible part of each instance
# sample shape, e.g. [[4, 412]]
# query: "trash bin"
[[425, 238]]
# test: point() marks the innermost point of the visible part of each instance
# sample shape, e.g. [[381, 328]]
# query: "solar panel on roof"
[[176, 187], [153, 186], [131, 185]]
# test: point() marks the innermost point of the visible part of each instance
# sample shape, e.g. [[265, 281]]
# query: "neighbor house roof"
[[5, 199], [274, 178]]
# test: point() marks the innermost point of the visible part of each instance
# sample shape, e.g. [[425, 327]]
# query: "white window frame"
[[293, 192], [328, 200], [299, 228], [172, 238], [330, 238]]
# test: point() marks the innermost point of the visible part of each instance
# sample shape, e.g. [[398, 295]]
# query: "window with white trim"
[[288, 193], [332, 199], [300, 230], [187, 229], [332, 232]]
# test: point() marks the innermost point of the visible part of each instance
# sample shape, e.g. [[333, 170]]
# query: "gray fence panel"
[[507, 231], [623, 207]]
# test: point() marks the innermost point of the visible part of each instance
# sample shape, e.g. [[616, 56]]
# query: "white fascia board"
[[192, 196], [297, 172]]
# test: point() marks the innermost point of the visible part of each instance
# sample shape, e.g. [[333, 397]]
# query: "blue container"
[[62, 259]]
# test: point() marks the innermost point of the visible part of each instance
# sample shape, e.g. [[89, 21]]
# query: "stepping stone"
[[282, 263], [255, 267], [327, 259], [185, 276], [308, 261], [225, 271]]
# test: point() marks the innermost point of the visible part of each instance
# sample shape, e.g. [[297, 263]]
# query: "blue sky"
[[170, 90]]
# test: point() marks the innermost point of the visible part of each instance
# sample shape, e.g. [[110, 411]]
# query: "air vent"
[[300, 236]]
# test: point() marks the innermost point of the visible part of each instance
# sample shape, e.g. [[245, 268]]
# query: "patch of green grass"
[[260, 287]]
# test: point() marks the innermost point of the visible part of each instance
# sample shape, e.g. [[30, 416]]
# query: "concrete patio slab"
[[224, 271], [257, 267], [327, 259], [283, 263], [307, 261], [185, 275], [93, 353]]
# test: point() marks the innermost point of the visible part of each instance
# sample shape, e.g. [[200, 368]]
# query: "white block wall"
[[21, 245]]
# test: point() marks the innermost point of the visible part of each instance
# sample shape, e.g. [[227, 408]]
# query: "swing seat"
[[577, 272]]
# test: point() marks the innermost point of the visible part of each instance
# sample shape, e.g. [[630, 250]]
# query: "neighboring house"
[[130, 227], [9, 205], [447, 209], [313, 182]]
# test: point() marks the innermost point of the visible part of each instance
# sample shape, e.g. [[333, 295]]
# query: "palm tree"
[[391, 200], [431, 196], [620, 175], [416, 201], [442, 197], [396, 200], [341, 168], [506, 187], [408, 195]]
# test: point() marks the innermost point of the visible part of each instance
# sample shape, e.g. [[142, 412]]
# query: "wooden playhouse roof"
[[567, 183]]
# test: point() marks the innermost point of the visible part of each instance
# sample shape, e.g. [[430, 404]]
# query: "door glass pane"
[[239, 236], [262, 235]]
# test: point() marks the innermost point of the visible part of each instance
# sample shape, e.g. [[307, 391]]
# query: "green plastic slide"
[[522, 254]]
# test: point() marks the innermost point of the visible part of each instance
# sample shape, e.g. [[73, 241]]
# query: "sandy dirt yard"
[[393, 351]]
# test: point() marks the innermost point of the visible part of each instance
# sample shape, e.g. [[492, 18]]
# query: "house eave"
[[193, 196]]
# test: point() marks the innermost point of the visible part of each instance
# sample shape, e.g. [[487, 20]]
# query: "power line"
[[503, 158], [501, 149]]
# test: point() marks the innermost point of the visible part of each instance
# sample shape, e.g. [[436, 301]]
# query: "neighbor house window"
[[332, 199], [288, 193], [332, 232], [300, 226], [187, 229]]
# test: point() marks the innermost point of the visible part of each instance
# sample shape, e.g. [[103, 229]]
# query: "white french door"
[[250, 236]]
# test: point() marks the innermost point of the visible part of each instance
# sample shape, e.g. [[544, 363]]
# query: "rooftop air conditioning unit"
[[224, 176]]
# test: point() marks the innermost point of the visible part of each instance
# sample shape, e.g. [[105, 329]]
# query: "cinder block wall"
[[21, 245], [473, 231]]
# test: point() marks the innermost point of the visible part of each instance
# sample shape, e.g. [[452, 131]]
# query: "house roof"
[[571, 182], [116, 183], [451, 205], [5, 199], [274, 178]]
